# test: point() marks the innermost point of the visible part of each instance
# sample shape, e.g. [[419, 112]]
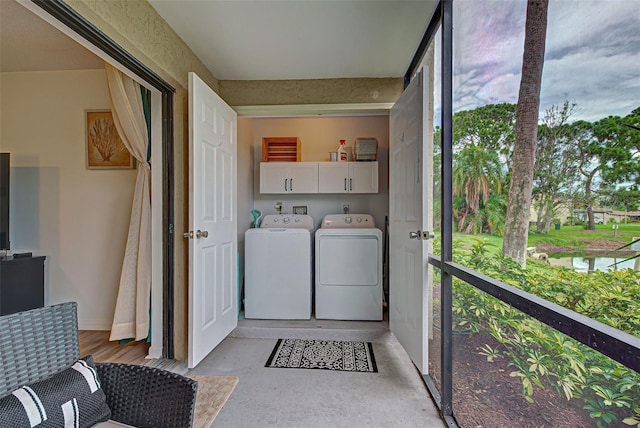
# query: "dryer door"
[[349, 260]]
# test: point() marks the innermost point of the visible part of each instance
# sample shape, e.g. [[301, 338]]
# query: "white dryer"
[[348, 274], [278, 268]]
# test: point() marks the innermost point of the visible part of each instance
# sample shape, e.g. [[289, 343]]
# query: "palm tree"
[[518, 210], [477, 174], [495, 210]]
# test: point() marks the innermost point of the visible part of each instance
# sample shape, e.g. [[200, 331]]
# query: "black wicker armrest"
[[146, 397]]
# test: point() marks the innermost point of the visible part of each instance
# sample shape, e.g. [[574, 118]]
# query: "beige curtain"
[[131, 317]]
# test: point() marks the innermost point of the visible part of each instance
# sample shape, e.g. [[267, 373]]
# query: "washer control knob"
[[275, 220], [347, 220], [286, 220], [297, 220], [359, 219]]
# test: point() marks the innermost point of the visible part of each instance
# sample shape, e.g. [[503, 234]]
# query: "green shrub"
[[573, 221], [543, 357]]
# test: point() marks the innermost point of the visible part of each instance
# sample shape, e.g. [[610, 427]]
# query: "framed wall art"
[[105, 149]]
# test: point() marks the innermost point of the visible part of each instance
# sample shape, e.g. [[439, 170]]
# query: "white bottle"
[[342, 152]]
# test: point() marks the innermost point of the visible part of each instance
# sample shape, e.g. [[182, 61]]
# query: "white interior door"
[[409, 180], [213, 311]]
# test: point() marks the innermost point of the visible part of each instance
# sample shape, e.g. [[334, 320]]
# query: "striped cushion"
[[112, 424], [71, 398]]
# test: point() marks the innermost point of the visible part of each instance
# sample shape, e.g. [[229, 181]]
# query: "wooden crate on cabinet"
[[280, 149]]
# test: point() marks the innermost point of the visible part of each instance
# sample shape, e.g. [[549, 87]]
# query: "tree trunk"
[[540, 216], [591, 224], [545, 215], [526, 133], [548, 216]]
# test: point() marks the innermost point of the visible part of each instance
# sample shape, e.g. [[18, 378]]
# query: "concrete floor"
[[393, 397]]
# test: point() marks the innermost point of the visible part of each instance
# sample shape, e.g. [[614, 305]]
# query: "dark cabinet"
[[21, 284]]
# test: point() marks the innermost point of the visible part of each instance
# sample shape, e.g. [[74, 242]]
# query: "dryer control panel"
[[345, 221]]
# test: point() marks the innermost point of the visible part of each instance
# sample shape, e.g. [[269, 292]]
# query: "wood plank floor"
[[96, 343]]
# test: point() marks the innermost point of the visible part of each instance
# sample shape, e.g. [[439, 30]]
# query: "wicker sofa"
[[36, 344]]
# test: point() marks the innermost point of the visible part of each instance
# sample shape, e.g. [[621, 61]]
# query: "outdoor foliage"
[[577, 164], [608, 151], [490, 126], [483, 141], [542, 357], [556, 166], [477, 179]]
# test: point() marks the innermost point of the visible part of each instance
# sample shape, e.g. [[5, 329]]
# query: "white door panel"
[[273, 178], [303, 177], [409, 189], [288, 177], [212, 219], [363, 177], [333, 177]]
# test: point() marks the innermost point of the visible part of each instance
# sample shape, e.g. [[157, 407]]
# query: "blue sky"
[[592, 55]]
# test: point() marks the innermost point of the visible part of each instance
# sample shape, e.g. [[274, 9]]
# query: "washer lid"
[[287, 221], [348, 221]]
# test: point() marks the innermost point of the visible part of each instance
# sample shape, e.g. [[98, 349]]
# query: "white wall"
[[77, 218], [245, 176], [319, 136], [245, 190]]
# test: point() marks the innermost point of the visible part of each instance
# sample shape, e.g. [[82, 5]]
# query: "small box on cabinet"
[[365, 149], [281, 149]]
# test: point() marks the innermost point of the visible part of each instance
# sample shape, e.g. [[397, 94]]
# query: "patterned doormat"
[[323, 354]]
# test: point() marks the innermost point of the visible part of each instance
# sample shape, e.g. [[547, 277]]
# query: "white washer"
[[278, 268], [348, 275]]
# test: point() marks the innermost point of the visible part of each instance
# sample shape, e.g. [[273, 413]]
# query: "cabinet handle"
[[351, 184], [291, 184], [285, 184], [345, 184]]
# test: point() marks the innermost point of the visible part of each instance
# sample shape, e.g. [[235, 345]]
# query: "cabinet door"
[[363, 177], [333, 177], [274, 177], [303, 177]]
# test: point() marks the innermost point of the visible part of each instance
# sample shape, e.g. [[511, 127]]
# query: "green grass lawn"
[[575, 237], [578, 237]]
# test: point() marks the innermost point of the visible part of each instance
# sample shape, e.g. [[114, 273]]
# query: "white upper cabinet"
[[347, 177], [289, 177], [333, 177]]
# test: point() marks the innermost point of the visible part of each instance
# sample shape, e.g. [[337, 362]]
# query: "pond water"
[[587, 264]]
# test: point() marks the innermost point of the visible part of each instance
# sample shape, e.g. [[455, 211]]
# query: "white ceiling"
[[27, 43], [302, 39], [249, 39]]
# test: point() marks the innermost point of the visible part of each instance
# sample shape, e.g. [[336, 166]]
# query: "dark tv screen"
[[4, 201]]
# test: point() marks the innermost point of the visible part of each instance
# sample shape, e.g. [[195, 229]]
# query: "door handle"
[[201, 234], [188, 234], [420, 235]]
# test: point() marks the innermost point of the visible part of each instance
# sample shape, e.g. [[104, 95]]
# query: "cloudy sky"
[[592, 55]]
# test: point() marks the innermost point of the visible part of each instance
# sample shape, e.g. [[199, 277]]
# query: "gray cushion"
[[112, 424], [73, 394]]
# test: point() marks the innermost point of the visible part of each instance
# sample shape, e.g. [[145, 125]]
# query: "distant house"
[[624, 216], [562, 214], [605, 215]]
